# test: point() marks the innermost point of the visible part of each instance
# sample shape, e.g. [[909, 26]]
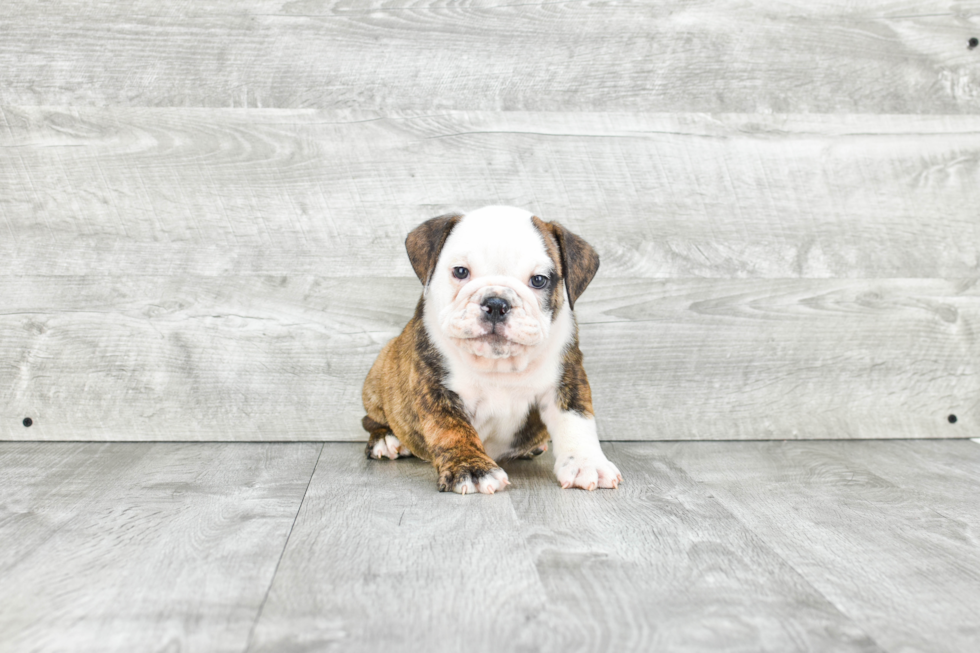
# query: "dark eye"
[[539, 281], [461, 273]]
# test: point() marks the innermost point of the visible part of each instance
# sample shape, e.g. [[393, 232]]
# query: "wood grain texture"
[[191, 358], [783, 359], [659, 565], [891, 556], [378, 559], [284, 358], [942, 473], [870, 57], [738, 546], [126, 547], [207, 192]]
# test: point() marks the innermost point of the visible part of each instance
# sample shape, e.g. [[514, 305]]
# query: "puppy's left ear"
[[579, 261], [424, 244]]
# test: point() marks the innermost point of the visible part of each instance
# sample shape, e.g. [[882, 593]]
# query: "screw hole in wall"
[[952, 419], [973, 42], [28, 421]]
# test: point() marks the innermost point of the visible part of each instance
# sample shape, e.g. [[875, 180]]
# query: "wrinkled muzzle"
[[494, 317]]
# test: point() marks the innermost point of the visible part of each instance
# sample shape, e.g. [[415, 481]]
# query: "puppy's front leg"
[[460, 459], [579, 461]]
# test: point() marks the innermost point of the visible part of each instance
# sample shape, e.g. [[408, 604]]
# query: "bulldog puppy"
[[489, 367]]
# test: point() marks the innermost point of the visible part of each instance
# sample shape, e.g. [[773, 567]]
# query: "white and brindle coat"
[[489, 367]]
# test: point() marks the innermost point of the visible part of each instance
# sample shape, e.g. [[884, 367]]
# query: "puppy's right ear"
[[424, 244]]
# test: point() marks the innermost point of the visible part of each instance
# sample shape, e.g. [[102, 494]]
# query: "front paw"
[[587, 472], [471, 477]]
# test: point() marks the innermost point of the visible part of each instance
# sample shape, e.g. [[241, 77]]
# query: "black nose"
[[496, 309]]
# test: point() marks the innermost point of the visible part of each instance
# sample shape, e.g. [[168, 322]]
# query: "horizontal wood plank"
[[870, 57], [175, 191], [142, 547], [783, 359], [283, 358]]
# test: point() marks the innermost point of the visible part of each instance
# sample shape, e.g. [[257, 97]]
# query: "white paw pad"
[[389, 447], [587, 472]]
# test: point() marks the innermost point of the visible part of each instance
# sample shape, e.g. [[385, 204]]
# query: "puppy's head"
[[496, 281]]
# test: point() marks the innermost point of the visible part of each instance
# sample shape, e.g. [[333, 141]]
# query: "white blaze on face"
[[502, 250]]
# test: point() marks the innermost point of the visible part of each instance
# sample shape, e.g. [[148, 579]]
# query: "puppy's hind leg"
[[382, 443], [532, 439]]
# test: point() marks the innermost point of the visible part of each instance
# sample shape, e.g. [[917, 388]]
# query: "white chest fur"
[[498, 403], [496, 412]]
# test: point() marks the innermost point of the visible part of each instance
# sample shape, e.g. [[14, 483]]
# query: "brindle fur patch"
[[579, 261], [377, 432], [555, 297], [424, 244], [574, 392], [404, 394], [531, 436], [459, 457]]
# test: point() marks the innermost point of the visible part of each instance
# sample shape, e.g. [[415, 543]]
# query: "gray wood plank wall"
[[786, 200], [878, 56]]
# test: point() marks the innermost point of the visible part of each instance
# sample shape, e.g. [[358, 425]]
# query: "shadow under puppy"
[[489, 367]]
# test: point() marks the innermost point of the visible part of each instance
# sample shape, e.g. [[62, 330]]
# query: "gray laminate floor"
[[722, 546]]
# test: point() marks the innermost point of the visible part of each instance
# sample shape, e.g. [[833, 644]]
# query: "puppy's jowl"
[[489, 368]]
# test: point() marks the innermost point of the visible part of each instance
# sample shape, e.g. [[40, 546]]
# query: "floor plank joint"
[[285, 545]]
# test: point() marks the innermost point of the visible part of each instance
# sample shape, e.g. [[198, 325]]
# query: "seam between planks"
[[275, 572]]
